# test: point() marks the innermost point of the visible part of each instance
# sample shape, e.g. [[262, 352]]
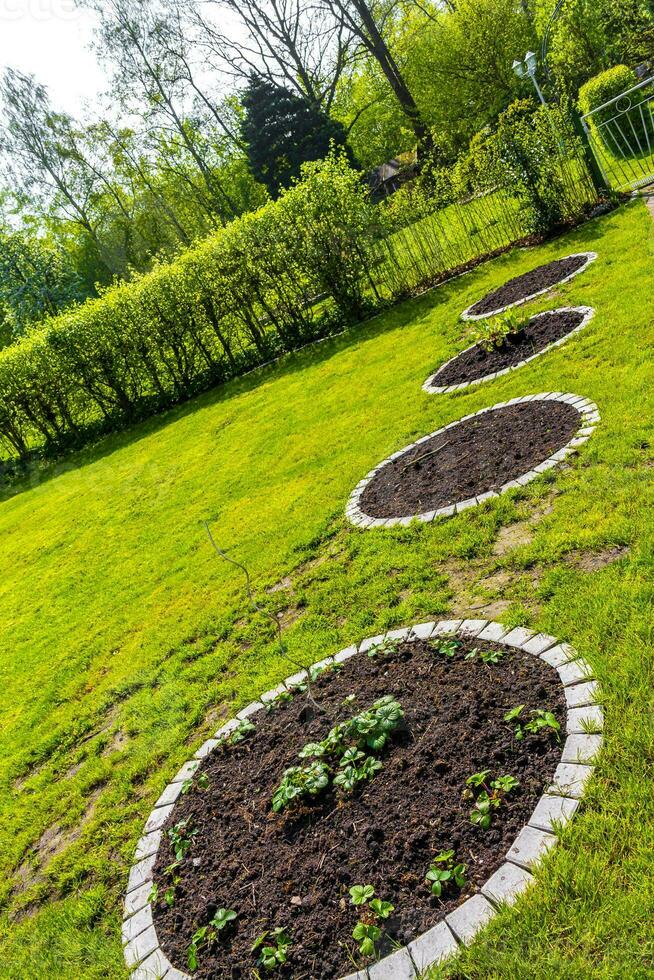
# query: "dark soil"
[[477, 455], [526, 285], [295, 871], [538, 332]]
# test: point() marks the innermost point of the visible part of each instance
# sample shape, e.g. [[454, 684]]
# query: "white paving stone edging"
[[589, 256], [589, 418], [556, 806], [432, 387]]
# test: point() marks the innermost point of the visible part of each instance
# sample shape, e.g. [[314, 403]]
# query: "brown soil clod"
[[246, 858]]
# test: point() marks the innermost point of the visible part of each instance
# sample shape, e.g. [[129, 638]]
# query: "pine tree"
[[282, 131]]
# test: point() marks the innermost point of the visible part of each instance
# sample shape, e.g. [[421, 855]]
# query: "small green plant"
[[181, 837], [274, 951], [300, 781], [444, 871], [331, 668], [367, 931], [492, 334], [367, 935], [202, 782], [207, 935], [447, 648], [385, 648], [239, 734], [282, 698], [490, 797], [343, 756], [541, 720], [355, 767], [486, 656], [361, 894], [153, 894]]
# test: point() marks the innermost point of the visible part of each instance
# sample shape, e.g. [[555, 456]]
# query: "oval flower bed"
[[539, 334], [395, 799], [472, 460], [529, 285]]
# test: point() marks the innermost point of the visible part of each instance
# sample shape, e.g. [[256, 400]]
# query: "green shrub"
[[633, 129]]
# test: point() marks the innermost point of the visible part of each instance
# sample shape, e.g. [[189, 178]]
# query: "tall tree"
[[282, 131], [370, 23]]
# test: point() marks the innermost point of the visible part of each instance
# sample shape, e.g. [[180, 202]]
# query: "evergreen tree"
[[282, 131]]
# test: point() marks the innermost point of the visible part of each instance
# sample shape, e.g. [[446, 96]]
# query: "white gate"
[[621, 134]]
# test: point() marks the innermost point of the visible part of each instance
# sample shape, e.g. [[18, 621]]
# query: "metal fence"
[[621, 134]]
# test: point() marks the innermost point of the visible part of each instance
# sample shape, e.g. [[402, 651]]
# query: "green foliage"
[[36, 280], [367, 932], [343, 746], [445, 871], [282, 131], [485, 656], [238, 298], [490, 796], [493, 333], [274, 952], [207, 935], [606, 86], [361, 894], [181, 837], [541, 720], [603, 88], [300, 782]]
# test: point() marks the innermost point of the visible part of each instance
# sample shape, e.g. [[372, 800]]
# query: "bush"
[[601, 89], [239, 298]]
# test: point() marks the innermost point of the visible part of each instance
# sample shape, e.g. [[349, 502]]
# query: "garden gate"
[[621, 134]]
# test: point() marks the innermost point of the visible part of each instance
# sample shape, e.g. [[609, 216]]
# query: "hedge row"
[[322, 255]]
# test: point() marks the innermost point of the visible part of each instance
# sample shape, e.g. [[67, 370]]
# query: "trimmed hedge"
[[321, 256], [601, 89]]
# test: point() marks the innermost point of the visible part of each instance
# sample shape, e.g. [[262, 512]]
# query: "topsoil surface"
[[518, 289], [477, 455], [294, 870], [537, 333]]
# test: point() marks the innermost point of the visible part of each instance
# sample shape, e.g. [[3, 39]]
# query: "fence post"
[[600, 183]]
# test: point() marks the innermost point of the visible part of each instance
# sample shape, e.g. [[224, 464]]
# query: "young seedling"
[[367, 935], [202, 782], [491, 796], [181, 837], [541, 720], [492, 334], [444, 871], [486, 656], [385, 648], [298, 782], [239, 734], [274, 952], [282, 698], [447, 648], [361, 894], [366, 931], [207, 935]]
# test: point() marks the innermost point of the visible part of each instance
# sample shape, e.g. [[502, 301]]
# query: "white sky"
[[51, 40]]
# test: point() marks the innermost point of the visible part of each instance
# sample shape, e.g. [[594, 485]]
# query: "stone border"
[[589, 256], [432, 388], [590, 417], [556, 806]]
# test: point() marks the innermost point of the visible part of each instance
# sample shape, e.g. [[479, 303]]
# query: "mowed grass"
[[124, 640]]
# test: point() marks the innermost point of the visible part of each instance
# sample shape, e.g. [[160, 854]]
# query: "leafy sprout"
[[274, 948], [444, 871], [207, 935]]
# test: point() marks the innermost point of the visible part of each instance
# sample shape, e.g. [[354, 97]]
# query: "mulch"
[[515, 290], [537, 333], [295, 870], [477, 455]]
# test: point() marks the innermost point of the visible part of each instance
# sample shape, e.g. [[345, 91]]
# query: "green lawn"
[[124, 639]]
